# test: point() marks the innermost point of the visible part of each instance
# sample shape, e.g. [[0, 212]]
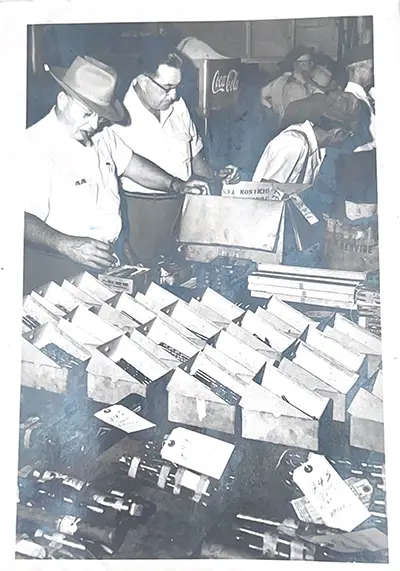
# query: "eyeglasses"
[[165, 89], [88, 112]]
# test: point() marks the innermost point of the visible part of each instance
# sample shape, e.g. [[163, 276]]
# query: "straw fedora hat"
[[92, 83]]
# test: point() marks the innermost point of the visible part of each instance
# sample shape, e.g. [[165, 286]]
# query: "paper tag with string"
[[198, 452], [329, 495]]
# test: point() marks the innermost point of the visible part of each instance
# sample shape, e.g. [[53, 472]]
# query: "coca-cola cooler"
[[218, 77]]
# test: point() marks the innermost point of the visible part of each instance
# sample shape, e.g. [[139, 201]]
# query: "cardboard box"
[[236, 382], [94, 325], [160, 295], [109, 383], [371, 341], [288, 314], [40, 371], [84, 298], [311, 382], [184, 314], [319, 408], [35, 314], [249, 339], [58, 296], [117, 319], [81, 336], [92, 286], [132, 308], [214, 226], [192, 403], [209, 314], [278, 323], [221, 305], [267, 418], [275, 338], [374, 361], [164, 331], [47, 304], [234, 367], [348, 358], [128, 279], [154, 349], [366, 422], [247, 356], [330, 372]]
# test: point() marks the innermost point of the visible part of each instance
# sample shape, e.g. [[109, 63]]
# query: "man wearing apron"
[[73, 161], [162, 130]]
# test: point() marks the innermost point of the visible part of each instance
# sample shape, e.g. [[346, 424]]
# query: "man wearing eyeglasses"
[[162, 130], [73, 162]]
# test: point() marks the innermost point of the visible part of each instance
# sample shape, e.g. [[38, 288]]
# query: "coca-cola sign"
[[220, 83], [225, 83]]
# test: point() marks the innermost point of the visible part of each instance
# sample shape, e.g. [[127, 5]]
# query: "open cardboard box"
[[213, 226], [89, 300], [129, 279], [59, 297], [109, 383], [288, 314], [92, 286], [40, 371], [166, 332], [277, 339], [209, 314], [131, 307], [194, 321], [195, 404], [238, 351], [221, 305], [249, 339], [94, 325], [116, 318], [332, 373], [366, 422], [35, 314]]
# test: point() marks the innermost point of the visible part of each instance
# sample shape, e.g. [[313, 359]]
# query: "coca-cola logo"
[[225, 83]]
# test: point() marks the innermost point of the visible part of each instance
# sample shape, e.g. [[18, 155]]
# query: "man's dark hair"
[[155, 53]]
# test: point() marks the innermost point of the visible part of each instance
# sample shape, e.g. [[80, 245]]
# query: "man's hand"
[[88, 252], [230, 174], [191, 187]]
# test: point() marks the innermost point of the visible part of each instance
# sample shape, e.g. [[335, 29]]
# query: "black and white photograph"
[[199, 350]]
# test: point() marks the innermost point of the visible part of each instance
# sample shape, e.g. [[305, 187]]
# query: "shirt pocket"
[[180, 155]]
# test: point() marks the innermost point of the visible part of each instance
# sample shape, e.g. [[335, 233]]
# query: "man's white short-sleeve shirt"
[[170, 142], [73, 188], [293, 156]]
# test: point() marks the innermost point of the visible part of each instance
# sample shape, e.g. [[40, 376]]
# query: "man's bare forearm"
[[39, 233], [148, 174]]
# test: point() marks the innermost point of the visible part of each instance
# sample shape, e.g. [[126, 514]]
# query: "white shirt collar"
[[308, 129]]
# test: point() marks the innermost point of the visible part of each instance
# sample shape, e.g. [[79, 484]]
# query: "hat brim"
[[114, 112]]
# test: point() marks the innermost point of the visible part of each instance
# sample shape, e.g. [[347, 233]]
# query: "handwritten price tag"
[[203, 454], [123, 418], [329, 495]]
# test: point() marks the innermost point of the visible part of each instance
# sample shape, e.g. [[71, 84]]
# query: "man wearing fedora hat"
[[73, 163]]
